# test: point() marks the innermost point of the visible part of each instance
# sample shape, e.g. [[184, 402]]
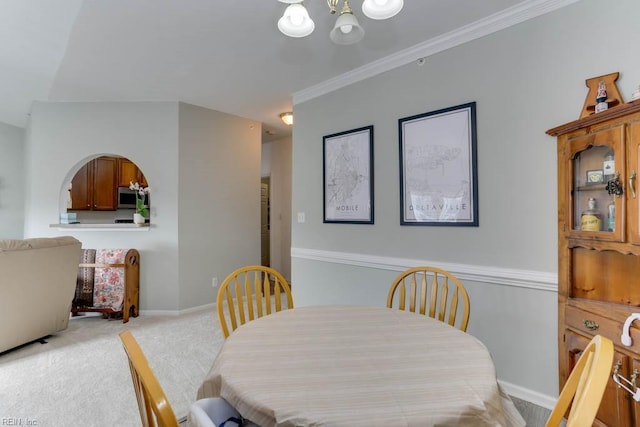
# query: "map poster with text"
[[438, 173], [348, 176]]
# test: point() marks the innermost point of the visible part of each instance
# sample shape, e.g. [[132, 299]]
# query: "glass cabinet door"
[[596, 195]]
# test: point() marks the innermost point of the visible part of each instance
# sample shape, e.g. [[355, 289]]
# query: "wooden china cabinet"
[[599, 246]]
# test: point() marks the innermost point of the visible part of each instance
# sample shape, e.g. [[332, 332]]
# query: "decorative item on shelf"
[[614, 187], [69, 218], [591, 220], [611, 216], [609, 166], [611, 95], [636, 94], [142, 210], [601, 97], [594, 177]]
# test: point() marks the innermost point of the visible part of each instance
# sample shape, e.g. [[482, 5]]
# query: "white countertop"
[[101, 227]]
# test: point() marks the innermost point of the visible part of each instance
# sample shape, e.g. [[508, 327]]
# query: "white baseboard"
[[534, 397], [211, 306]]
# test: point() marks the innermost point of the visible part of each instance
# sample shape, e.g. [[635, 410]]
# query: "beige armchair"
[[37, 285]]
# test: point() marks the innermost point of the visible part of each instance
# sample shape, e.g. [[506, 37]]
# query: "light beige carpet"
[[81, 376]]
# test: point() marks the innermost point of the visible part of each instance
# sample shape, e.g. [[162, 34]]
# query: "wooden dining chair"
[[585, 386], [431, 291], [155, 410], [249, 293]]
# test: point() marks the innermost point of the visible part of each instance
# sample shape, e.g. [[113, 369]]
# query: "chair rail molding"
[[543, 281]]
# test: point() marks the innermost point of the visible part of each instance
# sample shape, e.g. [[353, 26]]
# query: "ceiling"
[[226, 55]]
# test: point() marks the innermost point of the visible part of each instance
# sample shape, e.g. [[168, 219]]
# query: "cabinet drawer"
[[592, 324]]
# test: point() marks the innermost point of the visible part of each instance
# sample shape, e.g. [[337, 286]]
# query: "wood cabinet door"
[[635, 377], [81, 189], [632, 194], [615, 408], [104, 184], [128, 172]]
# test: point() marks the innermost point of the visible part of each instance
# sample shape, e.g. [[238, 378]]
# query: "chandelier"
[[295, 21]]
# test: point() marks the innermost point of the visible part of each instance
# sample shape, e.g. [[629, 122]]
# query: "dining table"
[[350, 365]]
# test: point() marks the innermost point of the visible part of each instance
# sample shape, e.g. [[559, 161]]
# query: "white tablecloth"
[[358, 366]]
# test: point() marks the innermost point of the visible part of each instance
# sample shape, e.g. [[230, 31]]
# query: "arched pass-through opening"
[[97, 191]]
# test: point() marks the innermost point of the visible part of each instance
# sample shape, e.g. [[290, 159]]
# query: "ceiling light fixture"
[[296, 22], [287, 118], [347, 29]]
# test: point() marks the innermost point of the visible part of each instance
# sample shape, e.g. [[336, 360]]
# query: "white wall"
[[64, 135], [11, 181], [525, 80], [189, 156]]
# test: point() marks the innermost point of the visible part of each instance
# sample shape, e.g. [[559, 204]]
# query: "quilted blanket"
[[108, 288]]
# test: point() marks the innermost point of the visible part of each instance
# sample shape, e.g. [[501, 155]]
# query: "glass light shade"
[[295, 21], [347, 30], [381, 9], [287, 118]]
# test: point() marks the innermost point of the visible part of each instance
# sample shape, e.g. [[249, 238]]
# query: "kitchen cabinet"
[[94, 186], [128, 172], [599, 246]]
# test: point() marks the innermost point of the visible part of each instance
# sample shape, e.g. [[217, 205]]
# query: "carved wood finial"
[[613, 94]]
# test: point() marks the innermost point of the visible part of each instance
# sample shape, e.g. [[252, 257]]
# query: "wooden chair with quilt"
[[583, 391], [155, 410], [431, 291], [249, 293]]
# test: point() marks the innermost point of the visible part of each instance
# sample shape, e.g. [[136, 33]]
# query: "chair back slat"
[[439, 295], [423, 291], [239, 305], [249, 293], [453, 308], [266, 286], [433, 296], [232, 310], [414, 287], [258, 292], [278, 293], [444, 297]]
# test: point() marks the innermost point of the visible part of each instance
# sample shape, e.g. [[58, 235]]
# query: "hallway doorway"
[[265, 220]]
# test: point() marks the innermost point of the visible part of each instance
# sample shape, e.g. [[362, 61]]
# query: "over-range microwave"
[[127, 198]]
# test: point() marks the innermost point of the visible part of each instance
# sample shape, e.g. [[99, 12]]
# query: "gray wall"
[[11, 181], [180, 166], [525, 80], [219, 199]]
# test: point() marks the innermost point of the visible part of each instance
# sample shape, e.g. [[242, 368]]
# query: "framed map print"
[[348, 176], [438, 168]]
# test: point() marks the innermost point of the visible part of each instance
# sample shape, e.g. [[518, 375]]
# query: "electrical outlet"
[[214, 282]]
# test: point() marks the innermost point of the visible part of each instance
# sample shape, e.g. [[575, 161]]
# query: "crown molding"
[[491, 24]]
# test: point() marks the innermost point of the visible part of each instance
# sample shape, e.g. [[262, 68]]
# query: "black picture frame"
[[347, 178], [438, 167]]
